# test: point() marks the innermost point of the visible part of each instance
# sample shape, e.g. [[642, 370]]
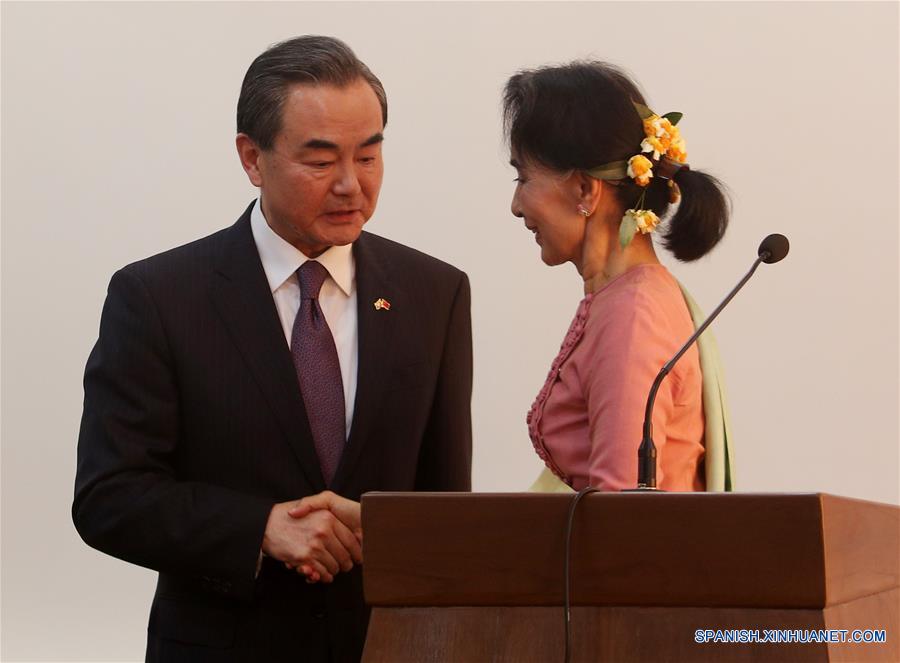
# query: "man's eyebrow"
[[515, 164], [374, 139], [321, 144]]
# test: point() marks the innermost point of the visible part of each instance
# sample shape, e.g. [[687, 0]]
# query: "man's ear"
[[590, 192], [249, 154]]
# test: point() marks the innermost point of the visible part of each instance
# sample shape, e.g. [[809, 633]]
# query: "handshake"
[[318, 536]]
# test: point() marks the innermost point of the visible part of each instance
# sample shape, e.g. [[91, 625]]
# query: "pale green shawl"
[[719, 458]]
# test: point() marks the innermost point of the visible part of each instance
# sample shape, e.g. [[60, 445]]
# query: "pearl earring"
[[583, 211]]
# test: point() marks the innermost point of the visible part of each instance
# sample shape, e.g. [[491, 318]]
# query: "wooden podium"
[[467, 577]]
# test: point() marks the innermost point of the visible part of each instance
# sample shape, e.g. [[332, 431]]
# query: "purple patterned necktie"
[[318, 370]]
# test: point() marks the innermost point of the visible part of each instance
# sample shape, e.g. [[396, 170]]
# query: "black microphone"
[[772, 249]]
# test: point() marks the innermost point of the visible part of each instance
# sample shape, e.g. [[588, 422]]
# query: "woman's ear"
[[590, 192]]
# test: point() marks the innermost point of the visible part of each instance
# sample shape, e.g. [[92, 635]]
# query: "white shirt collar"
[[280, 259]]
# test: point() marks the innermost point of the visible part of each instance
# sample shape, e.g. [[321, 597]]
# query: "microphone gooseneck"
[[771, 250]]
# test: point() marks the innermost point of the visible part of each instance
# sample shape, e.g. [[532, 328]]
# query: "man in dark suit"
[[285, 356]]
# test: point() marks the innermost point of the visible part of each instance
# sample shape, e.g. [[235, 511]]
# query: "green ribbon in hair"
[[616, 170]]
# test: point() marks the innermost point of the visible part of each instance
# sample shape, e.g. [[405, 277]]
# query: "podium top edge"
[[733, 496]]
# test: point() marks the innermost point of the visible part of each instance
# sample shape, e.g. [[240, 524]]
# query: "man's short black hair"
[[310, 59]]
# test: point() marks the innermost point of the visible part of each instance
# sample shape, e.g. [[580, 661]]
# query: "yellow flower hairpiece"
[[664, 145], [636, 220], [640, 169]]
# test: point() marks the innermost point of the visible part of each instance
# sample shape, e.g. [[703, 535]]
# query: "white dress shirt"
[[337, 298]]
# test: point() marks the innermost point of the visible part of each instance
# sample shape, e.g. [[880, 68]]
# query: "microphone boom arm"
[[647, 450]]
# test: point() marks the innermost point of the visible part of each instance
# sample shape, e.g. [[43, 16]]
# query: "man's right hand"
[[347, 511], [317, 542]]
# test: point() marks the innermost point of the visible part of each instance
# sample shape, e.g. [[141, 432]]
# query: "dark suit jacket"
[[194, 426]]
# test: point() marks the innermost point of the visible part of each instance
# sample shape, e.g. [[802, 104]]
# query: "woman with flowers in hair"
[[597, 170]]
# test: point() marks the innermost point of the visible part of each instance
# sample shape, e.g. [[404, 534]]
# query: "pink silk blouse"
[[587, 420]]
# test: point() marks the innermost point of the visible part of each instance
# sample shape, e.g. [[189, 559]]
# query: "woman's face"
[[548, 203]]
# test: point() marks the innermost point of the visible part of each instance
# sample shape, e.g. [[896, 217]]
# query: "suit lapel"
[[374, 280], [242, 297]]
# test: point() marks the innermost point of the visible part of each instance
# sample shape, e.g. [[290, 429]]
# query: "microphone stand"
[[647, 450]]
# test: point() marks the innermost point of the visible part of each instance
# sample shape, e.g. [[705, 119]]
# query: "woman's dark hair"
[[581, 115], [309, 59]]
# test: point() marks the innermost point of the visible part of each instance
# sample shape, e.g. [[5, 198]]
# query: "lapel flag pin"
[[381, 303]]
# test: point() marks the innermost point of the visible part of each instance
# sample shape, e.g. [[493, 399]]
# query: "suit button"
[[318, 614]]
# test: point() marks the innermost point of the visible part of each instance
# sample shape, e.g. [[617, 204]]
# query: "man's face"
[[320, 180]]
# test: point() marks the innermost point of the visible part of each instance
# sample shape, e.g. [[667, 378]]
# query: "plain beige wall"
[[118, 127]]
